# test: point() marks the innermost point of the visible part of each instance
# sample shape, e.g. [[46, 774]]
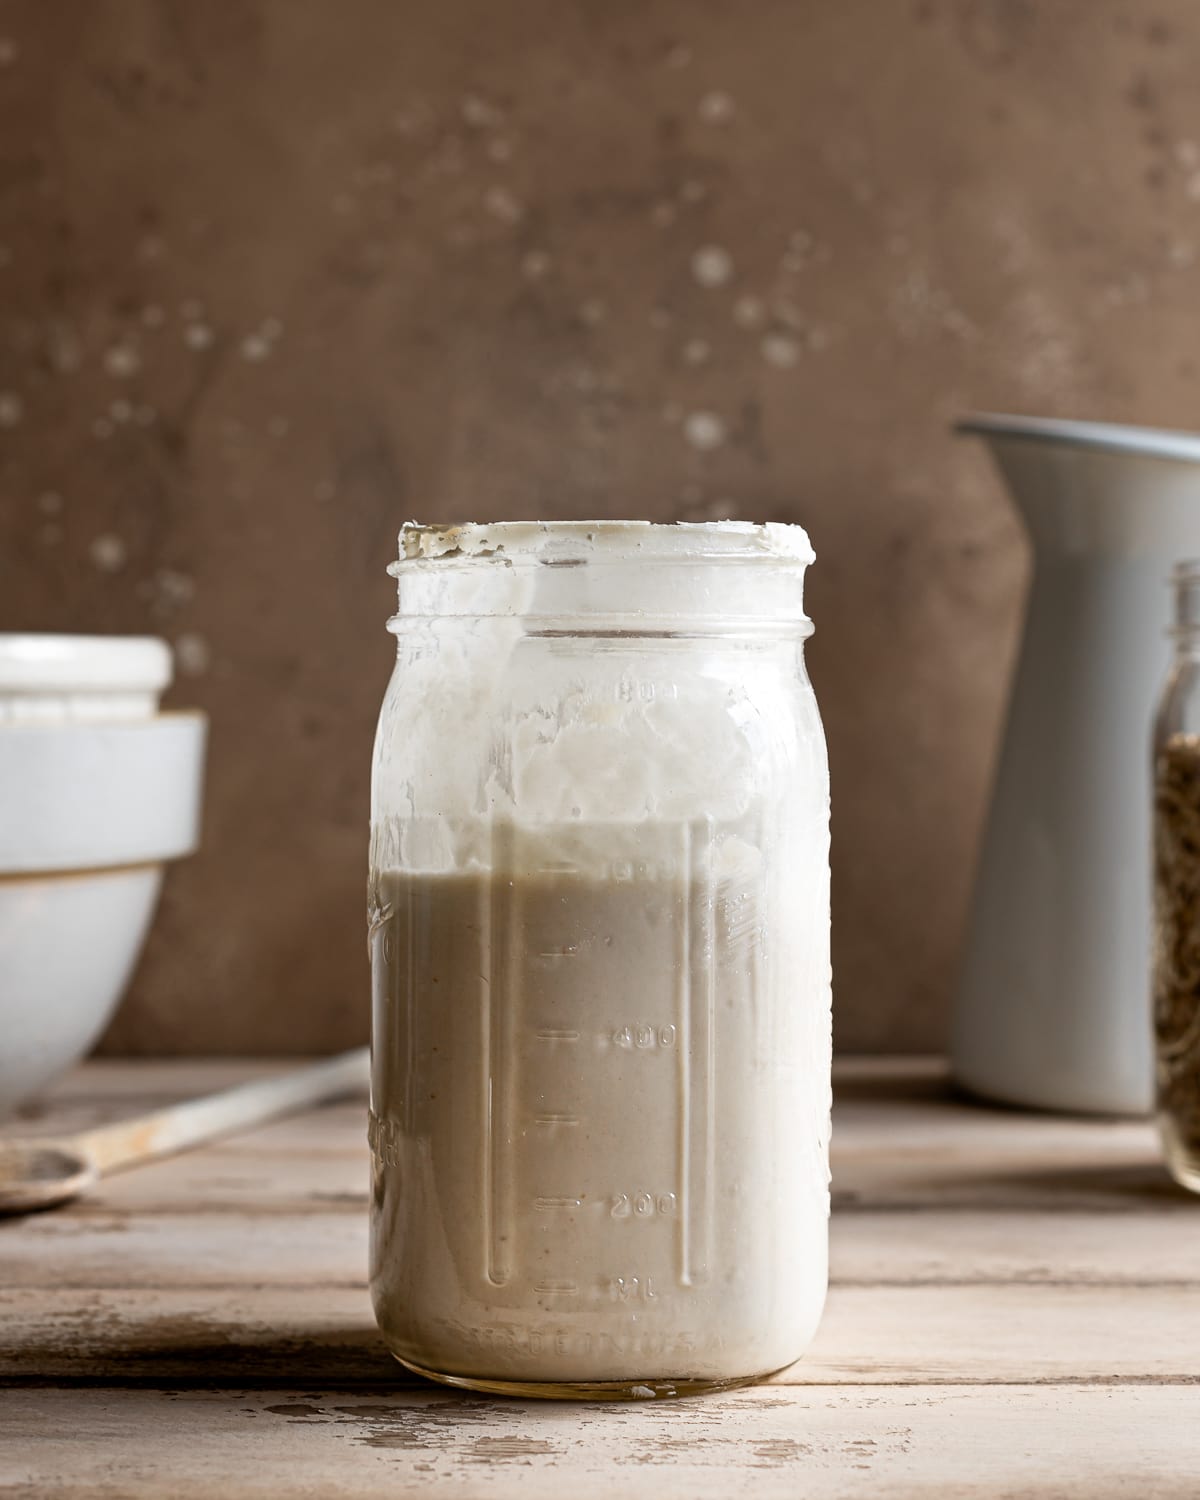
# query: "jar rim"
[[559, 543]]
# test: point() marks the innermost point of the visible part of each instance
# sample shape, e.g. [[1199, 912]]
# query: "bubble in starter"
[[198, 336], [592, 312], [108, 552], [192, 654], [712, 265], [749, 312], [122, 361], [50, 503], [695, 351], [12, 408], [8, 51], [704, 430]]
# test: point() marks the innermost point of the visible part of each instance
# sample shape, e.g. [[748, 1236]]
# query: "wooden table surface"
[[1014, 1310]]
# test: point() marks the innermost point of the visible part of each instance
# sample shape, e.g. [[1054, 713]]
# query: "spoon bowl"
[[42, 1174]]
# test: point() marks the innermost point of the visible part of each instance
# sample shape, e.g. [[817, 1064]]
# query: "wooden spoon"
[[44, 1173]]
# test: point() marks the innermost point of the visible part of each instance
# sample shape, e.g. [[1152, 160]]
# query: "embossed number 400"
[[642, 1205]]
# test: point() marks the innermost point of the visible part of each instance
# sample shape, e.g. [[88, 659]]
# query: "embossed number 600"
[[644, 1036]]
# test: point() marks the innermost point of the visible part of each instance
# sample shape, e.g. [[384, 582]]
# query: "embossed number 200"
[[642, 1205]]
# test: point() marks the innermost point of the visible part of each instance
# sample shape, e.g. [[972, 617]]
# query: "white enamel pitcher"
[[1053, 1005]]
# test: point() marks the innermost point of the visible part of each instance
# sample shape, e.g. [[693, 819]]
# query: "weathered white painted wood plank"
[[1118, 1441], [252, 1248], [870, 1335], [1020, 1294], [220, 1181], [914, 1151], [185, 1250]]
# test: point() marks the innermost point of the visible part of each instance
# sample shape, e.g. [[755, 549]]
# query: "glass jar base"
[[588, 1390], [1184, 1167], [1181, 1152]]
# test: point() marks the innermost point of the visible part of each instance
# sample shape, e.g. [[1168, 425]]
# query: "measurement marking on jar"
[[500, 996], [697, 1006], [548, 1204], [555, 1119], [642, 1205], [556, 1288], [643, 1036], [554, 955], [412, 989], [631, 1289], [554, 1034]]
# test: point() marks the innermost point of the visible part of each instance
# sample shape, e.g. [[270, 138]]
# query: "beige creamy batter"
[[600, 1109]]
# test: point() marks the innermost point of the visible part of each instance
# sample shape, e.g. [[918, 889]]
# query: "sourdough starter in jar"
[[600, 1097]]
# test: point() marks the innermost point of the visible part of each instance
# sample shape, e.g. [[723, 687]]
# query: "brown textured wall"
[[278, 274]]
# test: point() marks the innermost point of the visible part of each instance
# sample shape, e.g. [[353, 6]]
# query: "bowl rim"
[[39, 663]]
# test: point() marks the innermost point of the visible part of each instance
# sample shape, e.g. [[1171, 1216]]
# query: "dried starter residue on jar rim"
[[551, 541]]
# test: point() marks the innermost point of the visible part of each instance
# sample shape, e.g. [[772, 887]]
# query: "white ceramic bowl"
[[97, 791]]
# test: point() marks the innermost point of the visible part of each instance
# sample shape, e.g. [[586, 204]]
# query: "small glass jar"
[[1177, 889], [599, 920]]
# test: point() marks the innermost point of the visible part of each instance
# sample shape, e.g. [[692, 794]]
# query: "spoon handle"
[[197, 1120]]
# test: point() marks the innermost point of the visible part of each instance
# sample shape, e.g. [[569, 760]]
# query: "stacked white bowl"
[[98, 789]]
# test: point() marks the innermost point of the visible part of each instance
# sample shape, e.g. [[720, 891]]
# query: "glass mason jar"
[[599, 918], [1176, 966]]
